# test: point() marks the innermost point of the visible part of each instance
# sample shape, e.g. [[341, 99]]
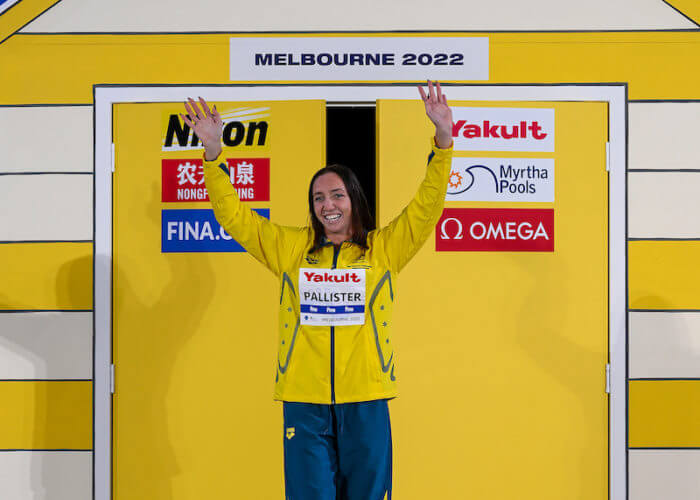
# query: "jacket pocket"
[[288, 324], [380, 307]]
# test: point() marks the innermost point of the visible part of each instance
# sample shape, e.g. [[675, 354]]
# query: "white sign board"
[[503, 129], [359, 58], [501, 179]]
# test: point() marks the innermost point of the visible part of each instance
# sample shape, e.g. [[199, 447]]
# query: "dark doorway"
[[350, 141]]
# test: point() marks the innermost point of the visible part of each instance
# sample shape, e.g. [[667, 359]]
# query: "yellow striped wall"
[[664, 413], [47, 276], [46, 415], [46, 225], [159, 59]]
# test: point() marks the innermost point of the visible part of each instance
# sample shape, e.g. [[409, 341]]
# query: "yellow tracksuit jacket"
[[341, 364]]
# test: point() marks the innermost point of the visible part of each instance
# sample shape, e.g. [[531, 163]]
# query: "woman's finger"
[[205, 106], [422, 93], [431, 91], [186, 120], [197, 112], [439, 92], [191, 113], [216, 115]]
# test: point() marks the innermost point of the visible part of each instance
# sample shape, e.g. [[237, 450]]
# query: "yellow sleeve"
[[273, 245], [404, 235]]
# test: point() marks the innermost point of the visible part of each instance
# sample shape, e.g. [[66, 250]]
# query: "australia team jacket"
[[340, 364]]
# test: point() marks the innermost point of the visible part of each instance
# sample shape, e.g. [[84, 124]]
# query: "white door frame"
[[107, 95]]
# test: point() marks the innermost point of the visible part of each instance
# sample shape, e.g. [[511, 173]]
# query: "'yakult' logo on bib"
[[329, 297], [332, 278]]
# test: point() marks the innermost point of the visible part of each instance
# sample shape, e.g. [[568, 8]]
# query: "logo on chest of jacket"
[[311, 260], [360, 263], [290, 432]]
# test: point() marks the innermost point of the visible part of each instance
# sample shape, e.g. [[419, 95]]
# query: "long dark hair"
[[362, 221]]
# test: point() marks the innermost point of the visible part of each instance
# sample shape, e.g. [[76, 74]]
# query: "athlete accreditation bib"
[[331, 297]]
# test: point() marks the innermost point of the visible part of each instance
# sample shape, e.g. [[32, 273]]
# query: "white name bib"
[[330, 297]]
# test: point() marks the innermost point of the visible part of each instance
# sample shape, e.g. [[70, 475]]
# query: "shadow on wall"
[[57, 414], [74, 284], [147, 339], [569, 363]]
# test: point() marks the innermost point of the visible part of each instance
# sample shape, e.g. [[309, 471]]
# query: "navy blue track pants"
[[337, 452]]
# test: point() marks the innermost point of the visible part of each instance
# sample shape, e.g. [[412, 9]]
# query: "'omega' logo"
[[443, 231]]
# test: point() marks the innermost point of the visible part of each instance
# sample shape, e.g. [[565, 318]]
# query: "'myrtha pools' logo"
[[501, 179]]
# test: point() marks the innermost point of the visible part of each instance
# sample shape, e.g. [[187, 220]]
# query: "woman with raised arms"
[[335, 367]]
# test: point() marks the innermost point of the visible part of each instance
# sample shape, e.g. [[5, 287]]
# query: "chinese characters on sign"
[[183, 180]]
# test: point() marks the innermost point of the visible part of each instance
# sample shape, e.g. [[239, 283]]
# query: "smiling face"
[[332, 206]]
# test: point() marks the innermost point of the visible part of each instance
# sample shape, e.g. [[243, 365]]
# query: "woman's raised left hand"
[[439, 112]]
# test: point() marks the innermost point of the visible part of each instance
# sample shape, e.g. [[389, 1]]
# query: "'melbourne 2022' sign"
[[359, 58]]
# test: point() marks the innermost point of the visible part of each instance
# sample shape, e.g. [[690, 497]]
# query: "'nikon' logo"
[[179, 135]]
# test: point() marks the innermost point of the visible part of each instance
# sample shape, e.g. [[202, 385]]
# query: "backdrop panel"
[[501, 348]]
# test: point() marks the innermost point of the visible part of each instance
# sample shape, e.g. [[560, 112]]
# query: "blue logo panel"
[[196, 230], [341, 309]]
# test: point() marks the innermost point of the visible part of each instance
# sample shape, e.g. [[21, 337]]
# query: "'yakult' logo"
[[503, 129], [332, 278], [501, 179], [501, 230], [523, 130]]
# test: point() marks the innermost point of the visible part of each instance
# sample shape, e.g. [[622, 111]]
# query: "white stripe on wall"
[[664, 474], [46, 139], [178, 15], [664, 204], [664, 345], [664, 135], [39, 475], [46, 345], [45, 207]]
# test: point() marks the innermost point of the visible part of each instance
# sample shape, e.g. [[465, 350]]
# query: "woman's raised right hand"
[[207, 124]]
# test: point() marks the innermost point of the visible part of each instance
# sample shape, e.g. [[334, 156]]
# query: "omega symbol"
[[444, 234]]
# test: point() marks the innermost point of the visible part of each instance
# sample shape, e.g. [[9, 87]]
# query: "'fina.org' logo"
[[499, 179]]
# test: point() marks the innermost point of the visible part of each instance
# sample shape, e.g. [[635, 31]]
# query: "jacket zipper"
[[336, 251]]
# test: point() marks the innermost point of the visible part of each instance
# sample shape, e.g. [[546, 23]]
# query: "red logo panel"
[[183, 180], [250, 177], [495, 230]]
